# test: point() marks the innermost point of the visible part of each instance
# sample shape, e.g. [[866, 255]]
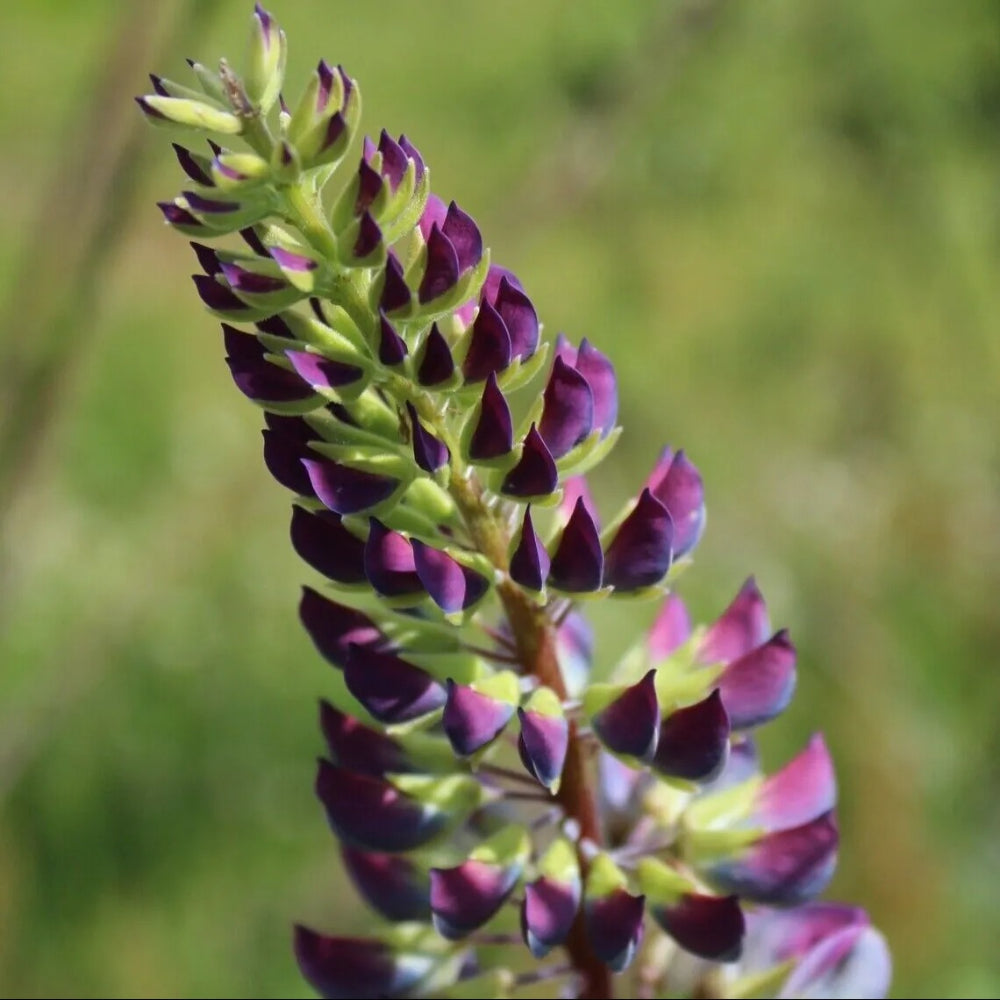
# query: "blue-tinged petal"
[[578, 563], [759, 685], [568, 410], [465, 897], [321, 539], [493, 435], [640, 553], [535, 473], [529, 562], [710, 927], [743, 626], [389, 562], [777, 935], [630, 725], [803, 789], [334, 627], [542, 744], [358, 747], [670, 630], [614, 926], [854, 962], [473, 719], [390, 883], [547, 913], [677, 484], [452, 586], [391, 689], [694, 741], [347, 490]]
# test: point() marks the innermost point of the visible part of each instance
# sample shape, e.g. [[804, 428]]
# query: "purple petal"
[[670, 630], [854, 962], [216, 295], [321, 372], [392, 885], [320, 538], [369, 186], [630, 725], [776, 935], [359, 748], [346, 490], [493, 435], [576, 488], [334, 129], [437, 364], [428, 452], [600, 376], [334, 627], [209, 206], [181, 217], [758, 686], [371, 813], [805, 787], [472, 719], [434, 214], [395, 291], [289, 261], [467, 896], [285, 445], [390, 688], [568, 414], [452, 586], [783, 868], [542, 745], [518, 315], [196, 167], [463, 234], [253, 241], [529, 564], [614, 927], [369, 238], [743, 626], [341, 968], [694, 741], [489, 346], [676, 483], [392, 348], [547, 913], [710, 927], [640, 553], [411, 151], [489, 292], [324, 74], [442, 269], [277, 327], [208, 258], [250, 282], [255, 376], [578, 564], [389, 562]]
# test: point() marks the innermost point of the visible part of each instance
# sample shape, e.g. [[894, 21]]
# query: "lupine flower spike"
[[510, 819]]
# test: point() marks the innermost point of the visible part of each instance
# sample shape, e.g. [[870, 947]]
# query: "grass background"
[[782, 220]]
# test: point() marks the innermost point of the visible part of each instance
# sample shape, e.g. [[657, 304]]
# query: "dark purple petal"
[[535, 473], [196, 167], [359, 748], [759, 686], [568, 414], [463, 235], [434, 214], [489, 292], [640, 553], [547, 913], [452, 586], [437, 364], [467, 896], [676, 483], [614, 927], [783, 868], [369, 186], [341, 968], [489, 346], [529, 564], [334, 627], [395, 291], [428, 452], [493, 435], [803, 789], [242, 279], [390, 688], [371, 813], [347, 490], [369, 238], [389, 563], [600, 376], [392, 348], [334, 129], [413, 153], [207, 258], [277, 327], [324, 74], [320, 538], [394, 160], [255, 376], [743, 626], [393, 885], [630, 725], [472, 719], [321, 372], [518, 315], [442, 269], [578, 564], [253, 241], [710, 927], [576, 488], [542, 745], [209, 206], [180, 217], [216, 295], [854, 962], [670, 630], [286, 441], [694, 741]]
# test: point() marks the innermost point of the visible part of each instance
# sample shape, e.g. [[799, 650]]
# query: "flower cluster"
[[486, 793]]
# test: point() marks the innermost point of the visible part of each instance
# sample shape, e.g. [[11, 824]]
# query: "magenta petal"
[[346, 490], [489, 346], [529, 563], [321, 372], [493, 435], [710, 927], [334, 627], [614, 927], [286, 443], [467, 896], [286, 259], [428, 452], [436, 364], [371, 813], [630, 725], [854, 962], [694, 741], [568, 413], [518, 315], [341, 968], [600, 376], [677, 484], [805, 787], [452, 586], [359, 748], [547, 913], [442, 269], [758, 686], [392, 348], [670, 630], [463, 234], [783, 868], [391, 689], [535, 473], [776, 935], [578, 563], [255, 376], [471, 719], [321, 539], [542, 745], [640, 553], [743, 626], [389, 562], [391, 884]]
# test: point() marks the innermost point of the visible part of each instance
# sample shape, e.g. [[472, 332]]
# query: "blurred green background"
[[781, 219]]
